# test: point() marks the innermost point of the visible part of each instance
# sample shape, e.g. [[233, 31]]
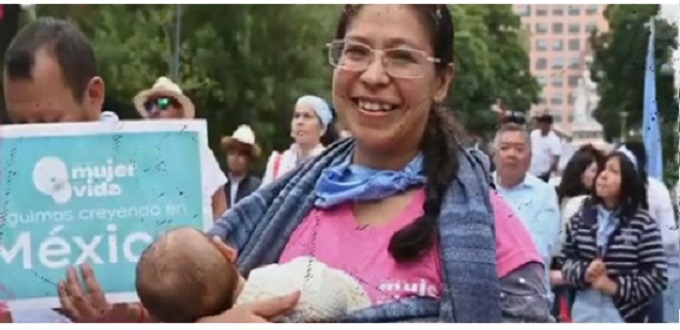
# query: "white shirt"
[[661, 210], [568, 209], [543, 149], [234, 182], [287, 161], [213, 179]]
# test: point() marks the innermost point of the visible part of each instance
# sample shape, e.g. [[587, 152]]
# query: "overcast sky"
[[670, 12]]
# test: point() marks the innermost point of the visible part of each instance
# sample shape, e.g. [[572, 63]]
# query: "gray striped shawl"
[[259, 227]]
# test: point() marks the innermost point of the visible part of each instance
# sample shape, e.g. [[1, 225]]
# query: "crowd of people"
[[608, 233], [398, 219]]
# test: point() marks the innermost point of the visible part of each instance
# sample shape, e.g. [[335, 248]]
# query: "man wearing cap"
[[545, 149], [241, 150], [165, 100]]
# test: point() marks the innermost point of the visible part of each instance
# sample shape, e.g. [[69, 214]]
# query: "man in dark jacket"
[[241, 150]]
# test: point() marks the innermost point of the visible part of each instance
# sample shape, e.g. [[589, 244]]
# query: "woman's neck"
[[383, 161], [305, 150], [610, 204]]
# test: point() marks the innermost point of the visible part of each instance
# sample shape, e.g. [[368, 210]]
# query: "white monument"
[[585, 128]]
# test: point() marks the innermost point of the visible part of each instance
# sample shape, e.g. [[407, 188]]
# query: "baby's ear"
[[228, 252]]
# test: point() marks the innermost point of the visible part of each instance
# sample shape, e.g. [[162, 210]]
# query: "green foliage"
[[619, 68], [492, 65], [249, 63]]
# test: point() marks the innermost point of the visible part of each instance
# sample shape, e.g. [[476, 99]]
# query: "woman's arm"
[[524, 295], [651, 277], [573, 268], [665, 217], [219, 202]]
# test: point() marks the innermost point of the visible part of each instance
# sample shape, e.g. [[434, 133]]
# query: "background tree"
[[619, 69], [249, 63], [492, 65]]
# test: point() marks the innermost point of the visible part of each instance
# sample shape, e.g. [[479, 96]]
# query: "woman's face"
[[588, 176], [381, 111], [305, 128], [608, 182]]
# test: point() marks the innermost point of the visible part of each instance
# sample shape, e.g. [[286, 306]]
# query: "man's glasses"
[[161, 103], [398, 62]]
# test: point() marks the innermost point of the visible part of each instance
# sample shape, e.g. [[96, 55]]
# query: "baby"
[[183, 277]]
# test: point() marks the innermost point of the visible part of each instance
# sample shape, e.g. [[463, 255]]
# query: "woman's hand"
[[256, 312], [605, 285], [91, 306], [595, 270], [556, 278]]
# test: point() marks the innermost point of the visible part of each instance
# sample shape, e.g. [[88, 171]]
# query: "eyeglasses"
[[398, 62], [161, 103]]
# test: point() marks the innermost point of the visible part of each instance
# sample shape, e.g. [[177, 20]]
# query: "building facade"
[[559, 46]]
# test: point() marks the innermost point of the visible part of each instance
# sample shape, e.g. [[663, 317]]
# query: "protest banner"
[[95, 193]]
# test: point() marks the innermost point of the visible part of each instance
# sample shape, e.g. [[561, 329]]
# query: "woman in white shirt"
[[661, 209], [311, 119]]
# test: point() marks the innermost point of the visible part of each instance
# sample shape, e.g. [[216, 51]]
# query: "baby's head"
[[182, 277]]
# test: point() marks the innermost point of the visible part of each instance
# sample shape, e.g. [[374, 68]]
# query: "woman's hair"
[[571, 184], [637, 148], [331, 135], [440, 142], [632, 193]]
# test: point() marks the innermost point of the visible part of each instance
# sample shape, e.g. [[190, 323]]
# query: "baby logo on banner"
[[95, 193]]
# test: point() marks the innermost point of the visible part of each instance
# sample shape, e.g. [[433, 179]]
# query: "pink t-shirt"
[[333, 237]]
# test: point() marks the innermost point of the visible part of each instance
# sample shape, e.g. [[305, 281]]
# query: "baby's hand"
[[228, 252]]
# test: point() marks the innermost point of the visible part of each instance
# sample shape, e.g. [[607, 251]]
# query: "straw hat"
[[243, 135], [165, 87]]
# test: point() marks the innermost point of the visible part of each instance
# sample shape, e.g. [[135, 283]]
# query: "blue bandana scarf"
[[352, 182]]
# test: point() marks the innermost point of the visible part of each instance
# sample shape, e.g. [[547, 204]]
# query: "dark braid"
[[440, 143], [440, 148]]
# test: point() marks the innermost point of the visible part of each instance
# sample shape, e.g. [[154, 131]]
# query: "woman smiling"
[[400, 206]]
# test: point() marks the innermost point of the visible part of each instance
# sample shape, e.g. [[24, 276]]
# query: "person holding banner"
[[401, 202], [165, 100], [50, 76]]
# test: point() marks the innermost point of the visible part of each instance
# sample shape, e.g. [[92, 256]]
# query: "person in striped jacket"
[[613, 251]]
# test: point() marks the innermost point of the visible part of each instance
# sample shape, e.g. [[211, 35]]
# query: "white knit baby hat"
[[326, 293]]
